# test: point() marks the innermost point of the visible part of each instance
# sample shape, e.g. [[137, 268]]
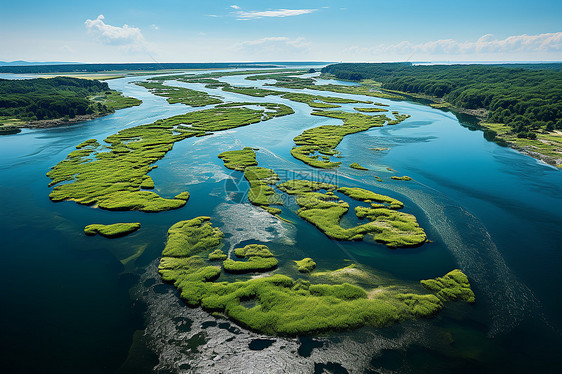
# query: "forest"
[[525, 97], [94, 68], [41, 98]]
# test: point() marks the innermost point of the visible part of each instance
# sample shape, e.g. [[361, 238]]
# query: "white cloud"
[[114, 35], [243, 15], [235, 7], [486, 45], [274, 47], [154, 27]]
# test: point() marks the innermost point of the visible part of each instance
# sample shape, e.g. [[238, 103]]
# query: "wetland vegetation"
[[325, 211], [110, 176], [261, 192], [113, 174], [112, 231], [316, 145], [280, 305], [180, 94]]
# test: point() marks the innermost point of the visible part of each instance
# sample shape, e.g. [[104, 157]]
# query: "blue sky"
[[321, 30]]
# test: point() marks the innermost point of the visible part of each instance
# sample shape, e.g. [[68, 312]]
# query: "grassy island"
[[112, 231], [324, 139], [371, 110], [239, 160], [261, 180], [355, 165], [290, 80], [277, 304], [190, 237], [306, 265], [403, 178], [111, 176], [217, 255], [325, 210], [180, 94]]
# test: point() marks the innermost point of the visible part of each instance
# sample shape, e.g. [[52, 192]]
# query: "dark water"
[[68, 304]]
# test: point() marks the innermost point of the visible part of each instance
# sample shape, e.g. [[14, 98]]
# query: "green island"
[[239, 160], [110, 176], [112, 231], [261, 192], [371, 110], [314, 101], [289, 80], [42, 102], [277, 304], [306, 265], [403, 178], [325, 210], [180, 94], [316, 145], [355, 165], [527, 117]]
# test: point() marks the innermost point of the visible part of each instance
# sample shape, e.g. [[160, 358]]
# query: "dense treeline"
[[40, 99], [525, 97], [94, 68]]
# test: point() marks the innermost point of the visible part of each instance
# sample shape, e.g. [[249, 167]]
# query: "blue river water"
[[487, 209]]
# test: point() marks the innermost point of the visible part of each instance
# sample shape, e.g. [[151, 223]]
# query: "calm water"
[[73, 303]]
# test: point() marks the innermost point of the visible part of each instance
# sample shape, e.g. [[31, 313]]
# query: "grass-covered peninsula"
[[277, 304]]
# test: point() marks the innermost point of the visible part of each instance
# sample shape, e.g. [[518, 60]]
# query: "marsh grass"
[[355, 165], [279, 304], [324, 139], [325, 211], [452, 286], [112, 231], [180, 94], [111, 177], [306, 265], [403, 178], [261, 192]]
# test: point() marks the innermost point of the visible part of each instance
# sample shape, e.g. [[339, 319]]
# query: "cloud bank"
[[276, 47], [114, 35], [485, 45]]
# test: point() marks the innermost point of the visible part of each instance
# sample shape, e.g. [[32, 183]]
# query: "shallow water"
[[75, 302]]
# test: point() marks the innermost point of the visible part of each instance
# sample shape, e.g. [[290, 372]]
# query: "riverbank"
[[547, 147]]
